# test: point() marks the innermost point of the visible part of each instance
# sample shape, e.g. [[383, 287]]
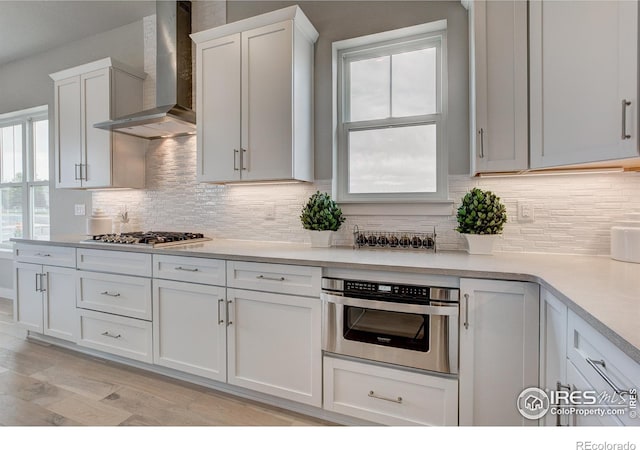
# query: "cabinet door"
[[28, 312], [499, 43], [96, 107], [498, 350], [577, 382], [267, 102], [68, 137], [218, 109], [583, 66], [553, 350], [274, 344], [60, 318], [189, 328]]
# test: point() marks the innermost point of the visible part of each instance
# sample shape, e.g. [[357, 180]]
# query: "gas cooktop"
[[148, 238]]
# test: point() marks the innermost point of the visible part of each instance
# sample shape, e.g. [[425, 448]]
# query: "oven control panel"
[[391, 290]]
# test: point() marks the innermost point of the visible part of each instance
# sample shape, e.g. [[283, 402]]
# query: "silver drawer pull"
[[466, 311], [593, 363], [262, 277], [115, 336], [625, 135], [186, 269], [117, 294], [387, 399], [42, 254]]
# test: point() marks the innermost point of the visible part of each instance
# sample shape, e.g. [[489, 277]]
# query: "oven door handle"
[[410, 308]]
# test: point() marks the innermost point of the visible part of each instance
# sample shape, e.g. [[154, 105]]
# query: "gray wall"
[[26, 83], [338, 20]]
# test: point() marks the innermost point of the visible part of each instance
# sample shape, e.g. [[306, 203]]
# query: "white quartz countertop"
[[606, 293]]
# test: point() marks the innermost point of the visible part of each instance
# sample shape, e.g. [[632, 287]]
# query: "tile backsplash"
[[572, 213]]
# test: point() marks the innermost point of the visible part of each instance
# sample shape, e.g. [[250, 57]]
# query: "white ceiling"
[[31, 27]]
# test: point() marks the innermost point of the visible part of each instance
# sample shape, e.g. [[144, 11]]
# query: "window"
[[390, 92], [24, 175]]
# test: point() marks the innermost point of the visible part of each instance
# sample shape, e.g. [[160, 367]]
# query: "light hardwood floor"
[[46, 385]]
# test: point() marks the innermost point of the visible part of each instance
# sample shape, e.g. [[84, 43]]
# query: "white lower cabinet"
[[389, 396], [577, 382], [189, 327], [115, 294], [553, 351], [595, 364], [274, 344], [46, 300], [499, 334], [123, 336]]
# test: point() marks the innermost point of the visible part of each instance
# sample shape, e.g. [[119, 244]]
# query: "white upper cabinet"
[[87, 157], [499, 107], [583, 81], [254, 101]]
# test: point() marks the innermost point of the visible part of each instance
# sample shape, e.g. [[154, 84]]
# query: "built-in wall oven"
[[405, 324]]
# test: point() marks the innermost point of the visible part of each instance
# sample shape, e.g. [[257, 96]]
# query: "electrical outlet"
[[270, 210], [80, 209], [525, 212]]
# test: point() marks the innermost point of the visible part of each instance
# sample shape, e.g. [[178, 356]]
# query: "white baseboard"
[[7, 293]]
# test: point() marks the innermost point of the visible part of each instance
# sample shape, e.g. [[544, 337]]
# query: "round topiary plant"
[[321, 213], [481, 212]]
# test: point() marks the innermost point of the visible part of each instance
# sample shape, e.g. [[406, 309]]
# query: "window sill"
[[439, 208]]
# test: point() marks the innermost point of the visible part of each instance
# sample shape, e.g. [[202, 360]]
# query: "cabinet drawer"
[[389, 396], [116, 294], [127, 263], [45, 254], [193, 270], [604, 366], [285, 279], [121, 336]]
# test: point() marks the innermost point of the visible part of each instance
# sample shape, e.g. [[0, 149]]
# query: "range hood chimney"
[[173, 115]]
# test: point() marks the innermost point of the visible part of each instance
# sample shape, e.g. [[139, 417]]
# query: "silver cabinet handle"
[[262, 277], [235, 152], [220, 320], [43, 284], [229, 321], [38, 281], [242, 167], [386, 399], [625, 103], [43, 254], [109, 294], [481, 132], [78, 172], [593, 363], [115, 336], [186, 269], [84, 177], [466, 311]]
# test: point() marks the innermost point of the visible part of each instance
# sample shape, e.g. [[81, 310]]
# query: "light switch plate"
[[80, 209], [525, 212]]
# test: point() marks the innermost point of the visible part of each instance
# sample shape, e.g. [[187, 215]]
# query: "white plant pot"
[[321, 238], [480, 244]]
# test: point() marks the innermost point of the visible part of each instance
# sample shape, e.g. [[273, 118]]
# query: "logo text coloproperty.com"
[[533, 403]]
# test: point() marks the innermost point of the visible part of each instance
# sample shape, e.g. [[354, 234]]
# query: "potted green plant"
[[321, 216], [481, 217]]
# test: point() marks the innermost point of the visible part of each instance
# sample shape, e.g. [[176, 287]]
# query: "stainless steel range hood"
[[173, 116]]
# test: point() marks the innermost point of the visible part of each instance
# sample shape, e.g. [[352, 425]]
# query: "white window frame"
[[432, 34], [26, 117]]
